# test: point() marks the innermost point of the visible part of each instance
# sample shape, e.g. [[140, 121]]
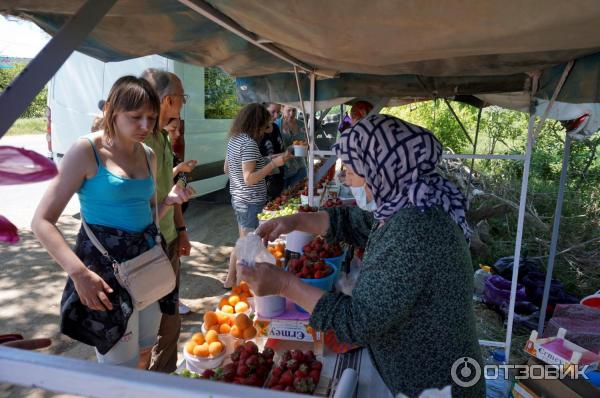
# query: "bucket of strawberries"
[[319, 249], [316, 273]]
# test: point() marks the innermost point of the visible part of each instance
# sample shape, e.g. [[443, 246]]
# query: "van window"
[[220, 98]]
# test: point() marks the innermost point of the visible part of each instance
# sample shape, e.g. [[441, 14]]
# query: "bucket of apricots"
[[236, 302], [230, 329], [204, 351]]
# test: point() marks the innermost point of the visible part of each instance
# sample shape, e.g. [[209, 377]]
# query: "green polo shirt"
[[161, 145]]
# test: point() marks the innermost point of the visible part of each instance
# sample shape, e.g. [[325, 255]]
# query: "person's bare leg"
[[230, 280]]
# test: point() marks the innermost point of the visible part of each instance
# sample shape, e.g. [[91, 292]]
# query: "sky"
[[21, 39]]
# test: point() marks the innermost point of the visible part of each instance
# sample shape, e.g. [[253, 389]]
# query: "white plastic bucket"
[[296, 240], [269, 306]]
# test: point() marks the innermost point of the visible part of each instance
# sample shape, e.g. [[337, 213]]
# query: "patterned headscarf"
[[398, 160]]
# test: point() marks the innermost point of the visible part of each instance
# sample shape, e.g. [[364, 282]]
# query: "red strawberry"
[[309, 356], [277, 372], [273, 382], [297, 355], [315, 375], [252, 361], [277, 387], [208, 373], [242, 370], [286, 378], [268, 352], [316, 365], [250, 347], [292, 364]]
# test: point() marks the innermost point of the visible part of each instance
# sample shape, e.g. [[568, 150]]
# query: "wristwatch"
[[181, 229]]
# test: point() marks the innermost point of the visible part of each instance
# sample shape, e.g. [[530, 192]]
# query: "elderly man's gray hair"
[[162, 81]]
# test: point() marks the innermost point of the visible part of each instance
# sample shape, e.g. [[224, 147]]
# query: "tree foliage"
[[220, 97], [38, 105]]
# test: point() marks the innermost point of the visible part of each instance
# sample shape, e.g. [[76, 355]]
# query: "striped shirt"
[[242, 148]]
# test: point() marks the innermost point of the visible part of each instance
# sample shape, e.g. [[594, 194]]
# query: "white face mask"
[[360, 195]]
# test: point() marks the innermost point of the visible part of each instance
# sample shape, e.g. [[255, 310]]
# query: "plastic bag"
[[21, 166], [250, 250], [581, 322], [504, 267], [534, 288], [496, 291], [8, 231], [347, 281]]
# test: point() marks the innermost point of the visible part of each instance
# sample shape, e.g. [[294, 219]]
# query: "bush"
[[37, 107]]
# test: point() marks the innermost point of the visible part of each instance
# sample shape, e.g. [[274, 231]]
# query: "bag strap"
[[148, 152], [97, 243]]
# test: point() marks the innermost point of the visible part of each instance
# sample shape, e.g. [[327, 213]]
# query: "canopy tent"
[[510, 53]]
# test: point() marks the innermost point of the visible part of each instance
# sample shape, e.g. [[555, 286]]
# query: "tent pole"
[[301, 103], [311, 143], [15, 99], [474, 153], [555, 230], [520, 219]]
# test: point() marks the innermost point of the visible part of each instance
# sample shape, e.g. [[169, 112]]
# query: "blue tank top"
[[116, 202]]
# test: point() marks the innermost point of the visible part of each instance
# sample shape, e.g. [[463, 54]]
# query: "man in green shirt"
[[170, 91]]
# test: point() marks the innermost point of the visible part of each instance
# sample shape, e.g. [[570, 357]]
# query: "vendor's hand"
[[93, 291], [178, 195], [184, 245], [272, 229], [265, 279], [280, 160], [186, 167]]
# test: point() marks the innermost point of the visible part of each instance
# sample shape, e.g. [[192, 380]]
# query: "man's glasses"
[[186, 97]]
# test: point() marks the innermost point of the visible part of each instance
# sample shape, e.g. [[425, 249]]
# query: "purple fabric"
[[398, 161], [21, 166], [8, 232]]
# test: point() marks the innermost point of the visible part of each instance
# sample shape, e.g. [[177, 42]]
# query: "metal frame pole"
[[15, 99], [555, 230], [520, 220], [311, 142]]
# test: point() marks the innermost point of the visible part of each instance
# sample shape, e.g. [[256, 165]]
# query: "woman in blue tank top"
[[112, 175]]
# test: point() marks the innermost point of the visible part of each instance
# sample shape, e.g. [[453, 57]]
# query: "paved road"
[[18, 202]]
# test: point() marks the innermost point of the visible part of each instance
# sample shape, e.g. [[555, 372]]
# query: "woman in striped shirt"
[[247, 170]]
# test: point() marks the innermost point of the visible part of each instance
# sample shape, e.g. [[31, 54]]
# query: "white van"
[[82, 81]]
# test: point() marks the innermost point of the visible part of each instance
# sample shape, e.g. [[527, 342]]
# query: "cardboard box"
[[567, 388]]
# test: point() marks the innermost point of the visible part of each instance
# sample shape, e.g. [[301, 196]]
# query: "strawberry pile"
[[333, 203], [306, 209], [297, 372], [248, 366], [318, 249], [308, 269]]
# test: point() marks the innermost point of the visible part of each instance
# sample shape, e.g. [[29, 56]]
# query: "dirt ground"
[[32, 283]]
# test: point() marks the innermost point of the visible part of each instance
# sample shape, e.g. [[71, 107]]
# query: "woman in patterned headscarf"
[[412, 304]]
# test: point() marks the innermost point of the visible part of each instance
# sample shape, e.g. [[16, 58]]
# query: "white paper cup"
[[300, 150], [316, 199]]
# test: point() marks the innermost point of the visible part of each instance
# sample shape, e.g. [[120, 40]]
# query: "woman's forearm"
[[314, 223], [57, 247], [306, 296], [255, 177]]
